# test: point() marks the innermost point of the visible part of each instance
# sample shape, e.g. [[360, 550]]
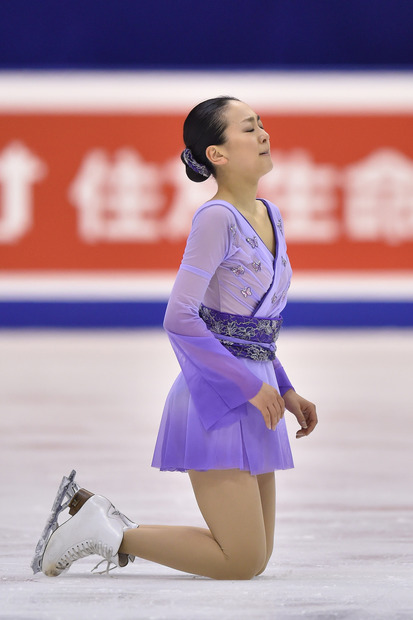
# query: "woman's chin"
[[267, 165]]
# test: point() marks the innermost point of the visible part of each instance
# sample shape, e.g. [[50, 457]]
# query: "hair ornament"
[[194, 165]]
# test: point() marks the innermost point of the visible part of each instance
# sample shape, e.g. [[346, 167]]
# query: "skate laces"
[[106, 570], [83, 549]]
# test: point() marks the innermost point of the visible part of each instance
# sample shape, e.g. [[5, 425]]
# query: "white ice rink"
[[92, 401]]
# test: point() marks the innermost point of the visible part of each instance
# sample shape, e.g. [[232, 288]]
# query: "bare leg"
[[266, 483], [234, 546]]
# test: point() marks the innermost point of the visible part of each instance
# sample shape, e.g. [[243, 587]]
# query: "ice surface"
[[92, 401]]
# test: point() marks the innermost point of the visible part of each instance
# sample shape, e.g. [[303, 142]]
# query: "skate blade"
[[68, 488]]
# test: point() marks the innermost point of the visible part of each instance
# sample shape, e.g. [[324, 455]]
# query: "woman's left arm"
[[304, 411]]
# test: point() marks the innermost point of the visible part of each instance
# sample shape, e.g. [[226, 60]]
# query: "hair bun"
[[195, 171]]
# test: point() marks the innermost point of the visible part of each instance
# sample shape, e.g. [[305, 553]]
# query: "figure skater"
[[223, 421]]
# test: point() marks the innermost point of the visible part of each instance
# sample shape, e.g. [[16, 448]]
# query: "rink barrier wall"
[[116, 198], [143, 314], [71, 257], [138, 300]]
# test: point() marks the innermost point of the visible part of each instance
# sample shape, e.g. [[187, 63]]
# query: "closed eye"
[[253, 120], [253, 129]]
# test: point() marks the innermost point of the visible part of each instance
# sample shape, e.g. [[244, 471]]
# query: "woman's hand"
[[303, 410], [271, 405]]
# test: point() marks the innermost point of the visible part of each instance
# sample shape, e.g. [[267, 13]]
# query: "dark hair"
[[204, 125]]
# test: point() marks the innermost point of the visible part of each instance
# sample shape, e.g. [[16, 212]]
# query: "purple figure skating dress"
[[208, 422]]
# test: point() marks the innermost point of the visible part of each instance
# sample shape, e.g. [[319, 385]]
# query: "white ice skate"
[[95, 527]]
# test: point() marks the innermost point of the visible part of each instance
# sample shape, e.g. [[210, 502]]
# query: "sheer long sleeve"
[[284, 384], [219, 383]]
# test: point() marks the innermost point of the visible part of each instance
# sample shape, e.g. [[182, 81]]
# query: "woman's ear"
[[215, 155]]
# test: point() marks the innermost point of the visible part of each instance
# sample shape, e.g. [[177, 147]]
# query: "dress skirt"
[[246, 444]]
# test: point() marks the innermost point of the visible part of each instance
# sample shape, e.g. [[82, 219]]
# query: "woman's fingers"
[[270, 404], [268, 418], [311, 418], [273, 418], [276, 410], [310, 415]]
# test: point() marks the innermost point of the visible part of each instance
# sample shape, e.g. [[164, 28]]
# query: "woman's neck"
[[242, 195]]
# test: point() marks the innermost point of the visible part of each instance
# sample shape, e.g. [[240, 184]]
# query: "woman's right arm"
[[220, 384]]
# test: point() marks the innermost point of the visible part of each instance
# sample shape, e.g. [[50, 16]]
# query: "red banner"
[[107, 192]]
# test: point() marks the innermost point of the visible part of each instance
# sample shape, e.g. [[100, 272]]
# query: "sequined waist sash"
[[243, 336]]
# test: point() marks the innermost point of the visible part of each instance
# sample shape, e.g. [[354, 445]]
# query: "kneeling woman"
[[223, 421]]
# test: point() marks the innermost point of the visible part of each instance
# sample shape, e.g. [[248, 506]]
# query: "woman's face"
[[246, 150]]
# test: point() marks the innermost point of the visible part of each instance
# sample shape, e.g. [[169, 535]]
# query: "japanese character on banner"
[[19, 170], [378, 198], [308, 195], [118, 199]]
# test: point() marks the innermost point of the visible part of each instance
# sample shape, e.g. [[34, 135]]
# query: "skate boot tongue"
[[78, 500]]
